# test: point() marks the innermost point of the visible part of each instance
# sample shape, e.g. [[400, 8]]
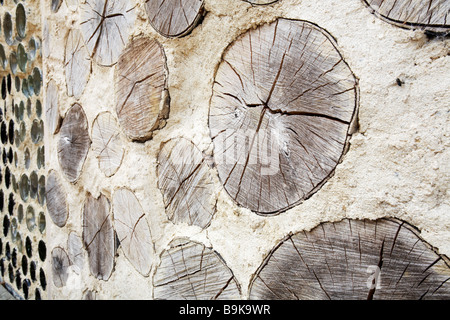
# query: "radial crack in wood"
[[141, 89], [52, 115], [174, 18], [56, 199], [77, 64], [106, 143], [133, 230], [98, 236], [73, 143], [283, 103], [60, 266], [190, 271], [105, 27], [353, 259], [429, 15], [186, 183]]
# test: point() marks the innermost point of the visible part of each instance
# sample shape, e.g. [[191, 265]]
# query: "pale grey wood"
[[105, 25], [430, 15], [75, 252], [353, 259], [77, 64], [72, 4], [133, 230], [142, 98], [98, 236], [186, 183], [106, 143], [4, 294], [190, 271], [90, 295], [60, 265], [73, 143], [282, 105], [174, 18], [46, 39], [55, 193], [52, 115]]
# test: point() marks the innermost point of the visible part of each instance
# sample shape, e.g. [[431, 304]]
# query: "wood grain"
[[430, 15], [57, 207], [186, 183], [133, 230], [60, 266], [106, 143], [73, 143], [174, 18], [142, 98], [105, 27], [52, 115], [77, 64], [353, 259], [191, 271], [283, 103], [75, 252], [98, 236]]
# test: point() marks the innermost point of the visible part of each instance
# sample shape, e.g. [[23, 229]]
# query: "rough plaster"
[[397, 165]]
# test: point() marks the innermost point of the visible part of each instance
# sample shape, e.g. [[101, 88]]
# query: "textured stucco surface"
[[397, 164]]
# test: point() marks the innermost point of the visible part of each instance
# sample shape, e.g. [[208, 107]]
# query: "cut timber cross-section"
[[190, 271], [60, 266], [105, 28], [77, 64], [73, 143], [186, 183], [174, 18], [429, 15], [75, 252], [56, 199], [351, 260], [132, 230], [283, 105], [106, 143], [52, 115], [98, 236], [141, 89]]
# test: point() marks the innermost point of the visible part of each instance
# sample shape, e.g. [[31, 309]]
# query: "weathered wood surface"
[[98, 236], [141, 89], [133, 230], [72, 4], [55, 5], [190, 271], [52, 115], [106, 143], [105, 27], [73, 143], [430, 15], [174, 18], [57, 207], [77, 64], [353, 259], [186, 183], [75, 252], [60, 266], [282, 105]]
